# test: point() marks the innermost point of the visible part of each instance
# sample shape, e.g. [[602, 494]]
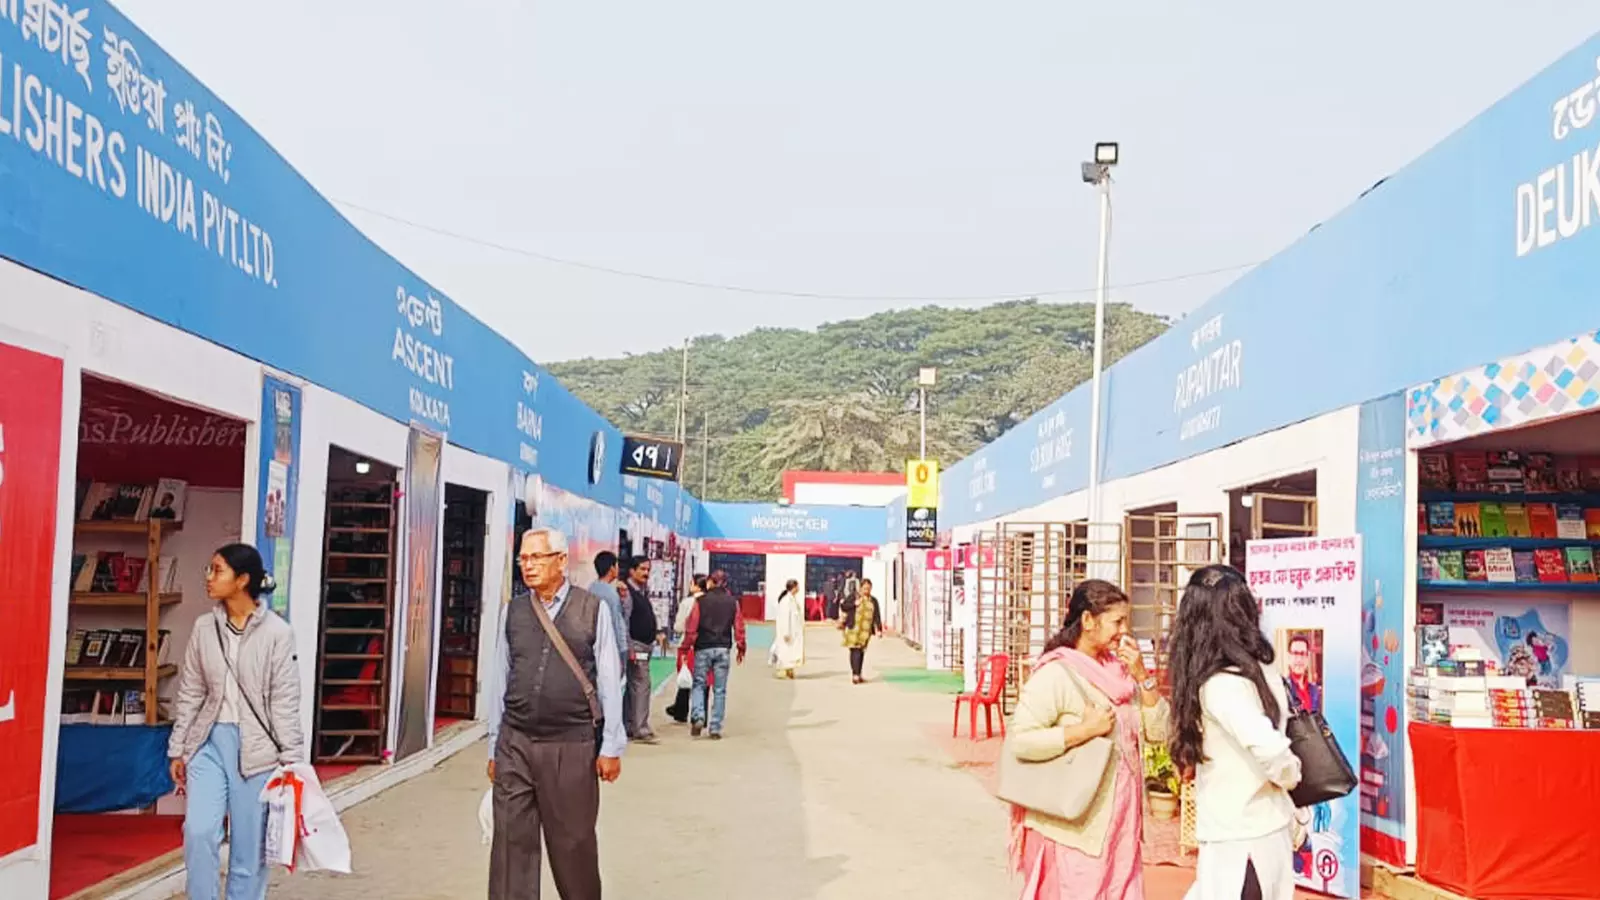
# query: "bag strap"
[[565, 652], [223, 646]]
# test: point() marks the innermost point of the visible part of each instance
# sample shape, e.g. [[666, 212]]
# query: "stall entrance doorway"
[[466, 531], [1162, 549]]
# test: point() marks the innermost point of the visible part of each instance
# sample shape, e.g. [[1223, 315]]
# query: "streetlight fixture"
[[1098, 173], [926, 377]]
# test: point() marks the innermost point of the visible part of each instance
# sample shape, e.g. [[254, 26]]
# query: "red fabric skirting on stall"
[[1507, 813]]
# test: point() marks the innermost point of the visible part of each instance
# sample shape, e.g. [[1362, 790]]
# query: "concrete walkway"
[[821, 789]]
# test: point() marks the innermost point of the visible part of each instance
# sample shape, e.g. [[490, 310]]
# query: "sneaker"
[[647, 739], [695, 729], [716, 735]]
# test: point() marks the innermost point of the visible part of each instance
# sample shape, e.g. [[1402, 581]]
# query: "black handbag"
[[1325, 772]]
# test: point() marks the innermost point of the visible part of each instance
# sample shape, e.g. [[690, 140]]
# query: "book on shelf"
[[1580, 564], [1475, 563], [1542, 520], [1442, 519], [1516, 519], [1527, 570], [1452, 566], [1539, 473], [1428, 566], [1591, 523], [1499, 565], [1551, 565], [1471, 471], [1433, 472], [1469, 520], [1491, 516], [1506, 472], [1569, 475], [168, 499], [110, 502], [1569, 522], [114, 648]]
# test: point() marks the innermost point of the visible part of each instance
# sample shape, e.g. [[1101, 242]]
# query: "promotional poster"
[[1310, 594], [279, 483], [1381, 521], [424, 505], [30, 457]]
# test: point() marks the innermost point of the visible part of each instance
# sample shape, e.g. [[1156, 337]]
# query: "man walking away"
[[716, 627], [642, 630], [609, 590], [555, 728]]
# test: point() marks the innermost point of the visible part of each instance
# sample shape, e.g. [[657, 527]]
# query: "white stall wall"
[[89, 333], [780, 568]]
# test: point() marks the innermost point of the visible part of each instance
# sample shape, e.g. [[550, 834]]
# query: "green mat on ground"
[[916, 679]]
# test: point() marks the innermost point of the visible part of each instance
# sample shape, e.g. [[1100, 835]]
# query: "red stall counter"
[[1508, 814]]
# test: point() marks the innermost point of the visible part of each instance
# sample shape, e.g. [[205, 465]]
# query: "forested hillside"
[[843, 397]]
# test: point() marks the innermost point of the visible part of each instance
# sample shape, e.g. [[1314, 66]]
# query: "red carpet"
[[89, 849]]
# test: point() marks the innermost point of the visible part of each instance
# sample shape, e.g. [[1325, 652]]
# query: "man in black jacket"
[[642, 630], [716, 630]]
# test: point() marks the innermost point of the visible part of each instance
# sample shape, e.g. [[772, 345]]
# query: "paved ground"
[[821, 790]]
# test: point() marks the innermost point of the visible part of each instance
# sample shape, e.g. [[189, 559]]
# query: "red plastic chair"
[[991, 686]]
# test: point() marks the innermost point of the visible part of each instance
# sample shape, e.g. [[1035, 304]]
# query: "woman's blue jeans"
[[216, 790]]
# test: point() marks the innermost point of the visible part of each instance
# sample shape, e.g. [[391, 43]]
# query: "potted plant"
[[1161, 781]]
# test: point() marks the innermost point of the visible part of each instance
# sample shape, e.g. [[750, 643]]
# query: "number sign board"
[[922, 483], [651, 458]]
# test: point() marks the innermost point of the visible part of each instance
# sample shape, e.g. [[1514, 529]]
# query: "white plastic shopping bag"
[[303, 831], [685, 678], [486, 815]]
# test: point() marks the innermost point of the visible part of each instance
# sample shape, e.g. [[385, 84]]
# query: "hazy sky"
[[892, 148]]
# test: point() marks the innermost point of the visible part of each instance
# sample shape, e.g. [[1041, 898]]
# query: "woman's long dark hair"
[[1093, 596], [1218, 629]]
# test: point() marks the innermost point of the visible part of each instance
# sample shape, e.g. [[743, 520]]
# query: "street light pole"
[[926, 378], [1098, 173], [683, 397]]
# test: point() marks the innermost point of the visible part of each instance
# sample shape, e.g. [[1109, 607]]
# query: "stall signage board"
[[651, 458], [922, 527], [30, 457], [278, 483], [1310, 595], [922, 483]]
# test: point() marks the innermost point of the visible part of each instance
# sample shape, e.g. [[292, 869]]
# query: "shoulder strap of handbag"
[[223, 646], [560, 643]]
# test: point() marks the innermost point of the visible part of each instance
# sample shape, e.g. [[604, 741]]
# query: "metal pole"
[[1099, 346], [705, 454], [683, 397], [922, 411]]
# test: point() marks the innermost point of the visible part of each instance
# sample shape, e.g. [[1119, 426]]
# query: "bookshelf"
[[461, 600], [147, 670], [357, 611]]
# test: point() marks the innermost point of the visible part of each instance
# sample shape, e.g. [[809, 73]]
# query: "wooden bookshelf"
[[152, 601], [461, 600], [354, 647]]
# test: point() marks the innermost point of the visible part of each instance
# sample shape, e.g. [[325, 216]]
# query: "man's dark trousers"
[[549, 787]]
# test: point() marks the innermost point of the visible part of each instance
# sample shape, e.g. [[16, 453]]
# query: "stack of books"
[[1586, 688]]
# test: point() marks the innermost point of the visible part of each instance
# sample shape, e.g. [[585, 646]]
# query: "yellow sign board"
[[922, 483]]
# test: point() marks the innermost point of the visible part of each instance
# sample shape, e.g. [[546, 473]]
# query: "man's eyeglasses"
[[529, 559]]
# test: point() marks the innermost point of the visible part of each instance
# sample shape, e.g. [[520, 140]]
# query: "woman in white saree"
[[789, 641]]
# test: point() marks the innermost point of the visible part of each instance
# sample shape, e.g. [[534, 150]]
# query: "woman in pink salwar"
[[1090, 682]]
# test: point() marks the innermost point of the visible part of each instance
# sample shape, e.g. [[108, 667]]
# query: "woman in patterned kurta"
[[858, 631]]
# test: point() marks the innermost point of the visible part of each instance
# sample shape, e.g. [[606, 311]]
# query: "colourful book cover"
[[1428, 565], [1516, 516], [1527, 569], [1498, 563], [1552, 566], [1542, 520], [1469, 520], [1589, 472], [1569, 522], [1453, 568], [1505, 472], [1476, 565], [1433, 471], [1539, 473], [1580, 564], [1442, 519], [1591, 521], [1472, 471], [1492, 517]]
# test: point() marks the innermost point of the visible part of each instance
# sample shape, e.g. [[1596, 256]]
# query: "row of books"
[[1502, 565], [1507, 472], [121, 573], [1556, 521], [100, 501], [86, 706], [1468, 693], [113, 648]]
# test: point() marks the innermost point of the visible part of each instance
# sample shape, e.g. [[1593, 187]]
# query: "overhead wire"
[[777, 292]]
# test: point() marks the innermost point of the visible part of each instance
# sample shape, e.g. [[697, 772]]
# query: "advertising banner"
[[589, 526], [922, 527], [1381, 522], [30, 456], [424, 504], [922, 483], [278, 483], [1310, 594]]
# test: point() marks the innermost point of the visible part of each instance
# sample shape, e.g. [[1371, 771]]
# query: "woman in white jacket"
[[236, 719], [1228, 716]]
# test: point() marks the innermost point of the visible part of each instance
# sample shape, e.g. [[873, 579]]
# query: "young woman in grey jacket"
[[237, 717]]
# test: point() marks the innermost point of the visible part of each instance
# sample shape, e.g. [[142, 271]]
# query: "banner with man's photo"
[[1310, 594]]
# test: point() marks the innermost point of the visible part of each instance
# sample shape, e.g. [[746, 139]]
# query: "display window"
[[158, 488], [461, 603]]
